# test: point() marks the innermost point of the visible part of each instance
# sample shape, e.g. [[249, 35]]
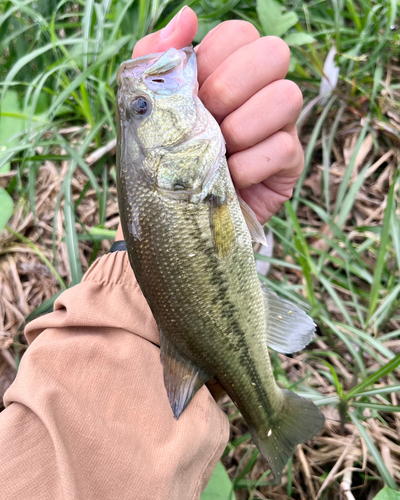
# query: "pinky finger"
[[281, 154], [264, 201]]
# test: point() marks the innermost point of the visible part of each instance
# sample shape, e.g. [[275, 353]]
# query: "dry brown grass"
[[25, 281]]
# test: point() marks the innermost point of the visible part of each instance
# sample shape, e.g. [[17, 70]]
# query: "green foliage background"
[[58, 63]]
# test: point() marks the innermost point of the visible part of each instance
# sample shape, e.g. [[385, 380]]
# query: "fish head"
[[167, 141], [156, 103]]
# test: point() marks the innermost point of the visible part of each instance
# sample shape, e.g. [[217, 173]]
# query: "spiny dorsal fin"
[[255, 228], [182, 378], [222, 229], [168, 61], [289, 328]]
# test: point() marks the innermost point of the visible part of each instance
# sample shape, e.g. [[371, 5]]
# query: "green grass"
[[58, 63]]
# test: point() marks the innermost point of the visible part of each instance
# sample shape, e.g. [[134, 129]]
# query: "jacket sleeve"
[[88, 416]]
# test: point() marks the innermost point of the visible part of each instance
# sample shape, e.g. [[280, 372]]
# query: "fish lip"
[[131, 63]]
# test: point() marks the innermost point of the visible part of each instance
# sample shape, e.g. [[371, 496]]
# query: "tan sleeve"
[[88, 418]]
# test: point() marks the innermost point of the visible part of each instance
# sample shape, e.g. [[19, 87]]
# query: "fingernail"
[[172, 25]]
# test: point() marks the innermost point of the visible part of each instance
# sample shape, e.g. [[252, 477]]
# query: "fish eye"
[[140, 106]]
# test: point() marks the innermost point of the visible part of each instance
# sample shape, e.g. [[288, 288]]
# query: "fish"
[[189, 238]]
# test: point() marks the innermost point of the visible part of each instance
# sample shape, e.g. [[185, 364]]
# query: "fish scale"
[[189, 244], [185, 298]]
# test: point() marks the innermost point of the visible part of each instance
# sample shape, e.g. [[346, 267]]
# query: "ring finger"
[[275, 107], [280, 153]]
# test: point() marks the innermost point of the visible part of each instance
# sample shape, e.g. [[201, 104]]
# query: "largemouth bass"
[[189, 239]]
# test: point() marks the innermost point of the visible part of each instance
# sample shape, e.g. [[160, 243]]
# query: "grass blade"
[[375, 289], [384, 370], [388, 479], [41, 256], [70, 229]]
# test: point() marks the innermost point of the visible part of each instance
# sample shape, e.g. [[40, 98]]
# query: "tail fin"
[[297, 422]]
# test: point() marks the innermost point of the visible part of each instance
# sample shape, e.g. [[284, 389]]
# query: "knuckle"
[[293, 96], [248, 30], [238, 171], [285, 197], [243, 28], [219, 91], [230, 128], [279, 50], [300, 158], [292, 155], [288, 148]]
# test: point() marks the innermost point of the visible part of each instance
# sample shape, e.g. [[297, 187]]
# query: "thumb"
[[178, 33]]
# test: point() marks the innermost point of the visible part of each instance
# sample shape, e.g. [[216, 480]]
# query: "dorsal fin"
[[289, 328], [182, 378]]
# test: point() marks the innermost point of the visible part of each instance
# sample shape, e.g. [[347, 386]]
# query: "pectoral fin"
[[289, 328], [255, 228], [182, 378], [222, 229]]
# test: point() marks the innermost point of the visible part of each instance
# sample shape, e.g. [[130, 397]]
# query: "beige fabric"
[[88, 416]]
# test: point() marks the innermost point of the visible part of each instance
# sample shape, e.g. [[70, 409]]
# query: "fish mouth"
[[139, 65]]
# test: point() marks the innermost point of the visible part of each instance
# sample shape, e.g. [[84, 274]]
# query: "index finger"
[[220, 43]]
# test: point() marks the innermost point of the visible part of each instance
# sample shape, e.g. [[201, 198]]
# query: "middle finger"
[[243, 73]]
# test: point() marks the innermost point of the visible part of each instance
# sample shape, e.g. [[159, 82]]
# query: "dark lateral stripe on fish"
[[216, 279]]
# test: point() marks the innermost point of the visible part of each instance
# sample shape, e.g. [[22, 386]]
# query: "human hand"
[[241, 83]]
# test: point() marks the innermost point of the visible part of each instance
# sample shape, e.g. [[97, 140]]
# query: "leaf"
[[220, 486], [6, 208], [387, 494], [293, 62], [304, 254], [205, 26], [298, 39], [379, 266], [71, 235], [12, 123], [273, 18], [376, 406], [371, 379], [9, 125]]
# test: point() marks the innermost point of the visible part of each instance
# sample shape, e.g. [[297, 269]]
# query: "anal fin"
[[182, 378], [289, 328]]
